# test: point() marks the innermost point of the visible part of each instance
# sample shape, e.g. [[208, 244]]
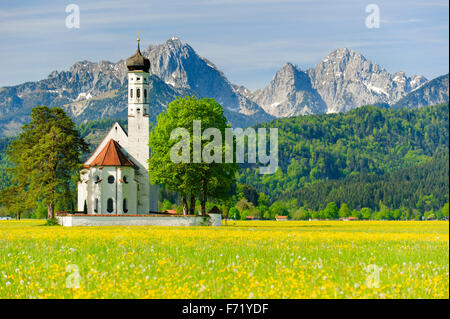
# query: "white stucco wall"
[[215, 219], [135, 221], [89, 190]]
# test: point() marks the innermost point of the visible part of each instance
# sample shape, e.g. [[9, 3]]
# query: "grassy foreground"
[[249, 259]]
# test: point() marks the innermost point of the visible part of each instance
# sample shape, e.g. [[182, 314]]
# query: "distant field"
[[248, 259]]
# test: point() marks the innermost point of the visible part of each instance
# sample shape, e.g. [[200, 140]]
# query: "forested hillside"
[[423, 187], [367, 140]]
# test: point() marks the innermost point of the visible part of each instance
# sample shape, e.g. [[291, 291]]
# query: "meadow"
[[245, 259]]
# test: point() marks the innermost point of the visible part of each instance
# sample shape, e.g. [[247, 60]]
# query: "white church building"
[[115, 177]]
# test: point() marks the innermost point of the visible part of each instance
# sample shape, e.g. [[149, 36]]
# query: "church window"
[[110, 205], [125, 179], [111, 179], [131, 93], [145, 93], [96, 205], [125, 206], [97, 179], [138, 93], [137, 79]]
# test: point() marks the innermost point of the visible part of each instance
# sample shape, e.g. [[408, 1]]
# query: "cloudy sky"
[[248, 40]]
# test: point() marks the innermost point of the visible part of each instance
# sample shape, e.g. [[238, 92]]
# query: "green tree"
[[167, 204], [263, 199], [356, 214], [188, 177], [366, 213], [244, 214], [300, 214], [234, 213], [278, 209], [344, 211], [445, 210], [243, 204], [46, 159], [262, 210], [331, 211]]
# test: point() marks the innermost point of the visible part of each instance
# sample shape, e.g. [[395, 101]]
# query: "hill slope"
[[365, 140], [406, 187]]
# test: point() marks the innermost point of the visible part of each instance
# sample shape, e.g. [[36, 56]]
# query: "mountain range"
[[340, 82]]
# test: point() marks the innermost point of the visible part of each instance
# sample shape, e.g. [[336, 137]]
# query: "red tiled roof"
[[171, 211], [112, 155]]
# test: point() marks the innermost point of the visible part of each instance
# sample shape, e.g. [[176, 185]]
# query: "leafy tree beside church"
[[45, 158], [191, 179]]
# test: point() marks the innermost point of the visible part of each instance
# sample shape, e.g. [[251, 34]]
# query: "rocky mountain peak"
[[290, 93], [345, 79]]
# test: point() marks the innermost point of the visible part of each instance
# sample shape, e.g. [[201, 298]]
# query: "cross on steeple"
[[138, 39]]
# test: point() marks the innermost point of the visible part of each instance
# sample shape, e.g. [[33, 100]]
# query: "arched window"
[[145, 93], [131, 93], [96, 205], [125, 179], [125, 206], [96, 179], [110, 205], [111, 179], [138, 93]]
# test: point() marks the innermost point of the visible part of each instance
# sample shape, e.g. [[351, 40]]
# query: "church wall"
[[127, 190], [82, 195], [109, 190]]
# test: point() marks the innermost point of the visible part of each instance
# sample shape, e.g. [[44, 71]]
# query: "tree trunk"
[[185, 206], [203, 199], [51, 211], [192, 208]]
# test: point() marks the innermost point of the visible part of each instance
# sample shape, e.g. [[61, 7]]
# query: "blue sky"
[[248, 40]]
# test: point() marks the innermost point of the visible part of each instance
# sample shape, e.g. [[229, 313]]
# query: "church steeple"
[[138, 62], [139, 127]]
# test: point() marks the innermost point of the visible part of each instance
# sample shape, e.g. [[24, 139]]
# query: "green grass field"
[[249, 259]]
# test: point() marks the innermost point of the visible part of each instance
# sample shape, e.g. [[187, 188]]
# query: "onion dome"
[[138, 62]]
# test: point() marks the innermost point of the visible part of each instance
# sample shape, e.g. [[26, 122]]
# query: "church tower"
[[138, 130]]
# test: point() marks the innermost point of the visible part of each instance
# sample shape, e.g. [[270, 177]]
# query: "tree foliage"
[[213, 180], [45, 158]]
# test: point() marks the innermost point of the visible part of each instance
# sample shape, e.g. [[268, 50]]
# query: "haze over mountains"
[[341, 81]]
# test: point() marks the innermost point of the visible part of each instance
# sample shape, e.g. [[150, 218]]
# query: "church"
[[114, 179]]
